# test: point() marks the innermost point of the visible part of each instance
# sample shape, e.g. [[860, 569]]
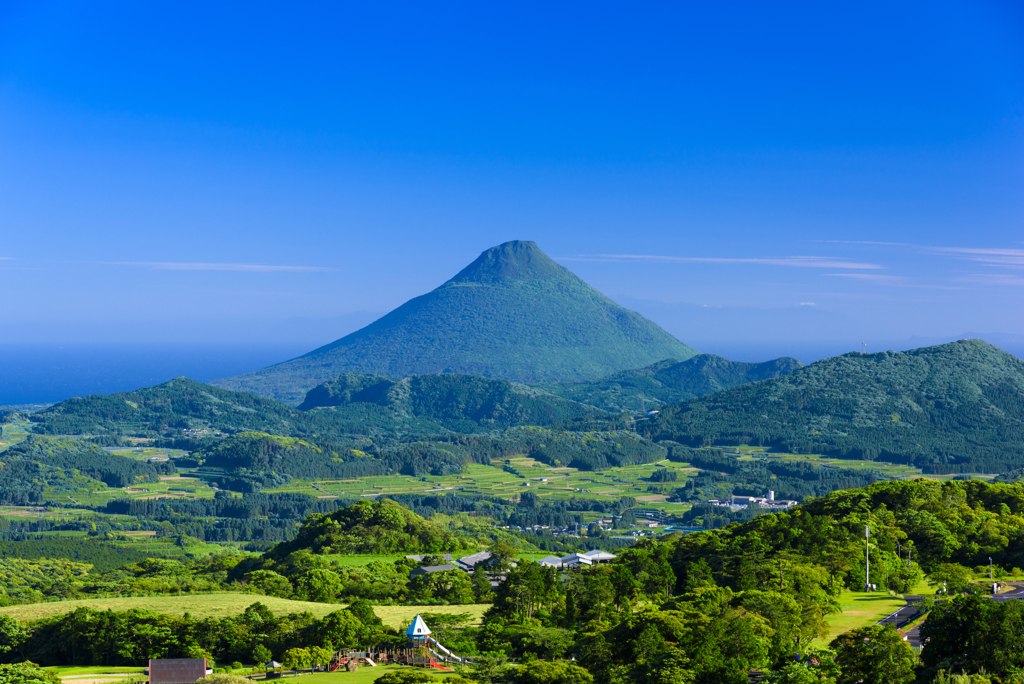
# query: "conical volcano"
[[512, 314]]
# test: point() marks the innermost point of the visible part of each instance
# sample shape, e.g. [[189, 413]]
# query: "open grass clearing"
[[364, 675], [860, 609], [78, 670], [225, 605]]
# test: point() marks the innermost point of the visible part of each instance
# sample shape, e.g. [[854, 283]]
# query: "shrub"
[[27, 673], [405, 678], [216, 678]]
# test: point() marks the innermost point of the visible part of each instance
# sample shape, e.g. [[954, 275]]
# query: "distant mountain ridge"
[[350, 404], [956, 407], [513, 314], [669, 382], [463, 403]]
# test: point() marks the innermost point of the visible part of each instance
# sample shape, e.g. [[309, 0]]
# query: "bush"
[[236, 665], [539, 672], [216, 678], [27, 673], [405, 677]]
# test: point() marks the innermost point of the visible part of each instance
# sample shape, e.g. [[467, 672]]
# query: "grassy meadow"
[[225, 605]]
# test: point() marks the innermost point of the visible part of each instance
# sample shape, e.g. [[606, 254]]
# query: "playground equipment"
[[419, 637], [422, 650]]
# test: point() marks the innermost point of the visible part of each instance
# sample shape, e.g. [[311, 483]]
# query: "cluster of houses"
[[738, 502], [576, 560], [466, 563], [487, 559]]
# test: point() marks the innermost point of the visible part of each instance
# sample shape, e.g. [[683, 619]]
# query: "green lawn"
[[69, 670], [363, 675], [224, 605], [860, 609]]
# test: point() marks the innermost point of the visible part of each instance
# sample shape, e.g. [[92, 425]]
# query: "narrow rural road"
[[910, 612]]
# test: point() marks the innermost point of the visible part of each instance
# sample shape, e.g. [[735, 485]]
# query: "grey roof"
[[416, 572], [598, 555], [473, 560], [420, 558], [576, 558], [551, 560]]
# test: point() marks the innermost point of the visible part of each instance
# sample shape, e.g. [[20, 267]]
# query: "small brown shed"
[[176, 670]]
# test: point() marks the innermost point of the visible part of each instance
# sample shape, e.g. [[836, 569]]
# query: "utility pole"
[[867, 559], [990, 568]]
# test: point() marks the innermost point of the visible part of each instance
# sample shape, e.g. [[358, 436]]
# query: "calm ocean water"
[[40, 373]]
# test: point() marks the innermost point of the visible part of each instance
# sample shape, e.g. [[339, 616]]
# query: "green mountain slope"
[[463, 403], [669, 382], [362, 405], [28, 468], [952, 408], [179, 404], [513, 314]]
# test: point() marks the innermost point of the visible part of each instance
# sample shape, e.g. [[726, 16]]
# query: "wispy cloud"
[[993, 256], [866, 242], [894, 281], [808, 304], [993, 278], [1013, 258], [875, 278], [199, 266], [792, 261]]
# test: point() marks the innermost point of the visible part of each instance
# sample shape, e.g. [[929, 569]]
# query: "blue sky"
[[736, 171]]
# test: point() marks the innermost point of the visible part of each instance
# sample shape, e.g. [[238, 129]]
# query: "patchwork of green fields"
[[12, 433], [505, 479], [494, 481]]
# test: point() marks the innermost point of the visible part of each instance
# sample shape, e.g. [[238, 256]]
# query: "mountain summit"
[[512, 314], [516, 260]]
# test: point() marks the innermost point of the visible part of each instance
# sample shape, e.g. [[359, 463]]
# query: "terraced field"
[[530, 475]]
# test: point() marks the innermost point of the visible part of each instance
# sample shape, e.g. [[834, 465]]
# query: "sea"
[[49, 373]]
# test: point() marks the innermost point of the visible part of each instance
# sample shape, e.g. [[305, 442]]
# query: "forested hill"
[[180, 403], [381, 526], [957, 407], [960, 522], [669, 382], [512, 314], [363, 404], [464, 403], [31, 466]]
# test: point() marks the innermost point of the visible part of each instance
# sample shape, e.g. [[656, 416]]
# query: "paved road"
[[914, 634], [1016, 593]]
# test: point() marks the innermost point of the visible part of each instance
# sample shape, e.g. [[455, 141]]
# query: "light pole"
[[867, 559]]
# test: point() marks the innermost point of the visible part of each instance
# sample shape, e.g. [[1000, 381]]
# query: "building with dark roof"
[[176, 670], [430, 569]]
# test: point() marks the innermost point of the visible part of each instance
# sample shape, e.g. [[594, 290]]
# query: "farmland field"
[[224, 605]]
